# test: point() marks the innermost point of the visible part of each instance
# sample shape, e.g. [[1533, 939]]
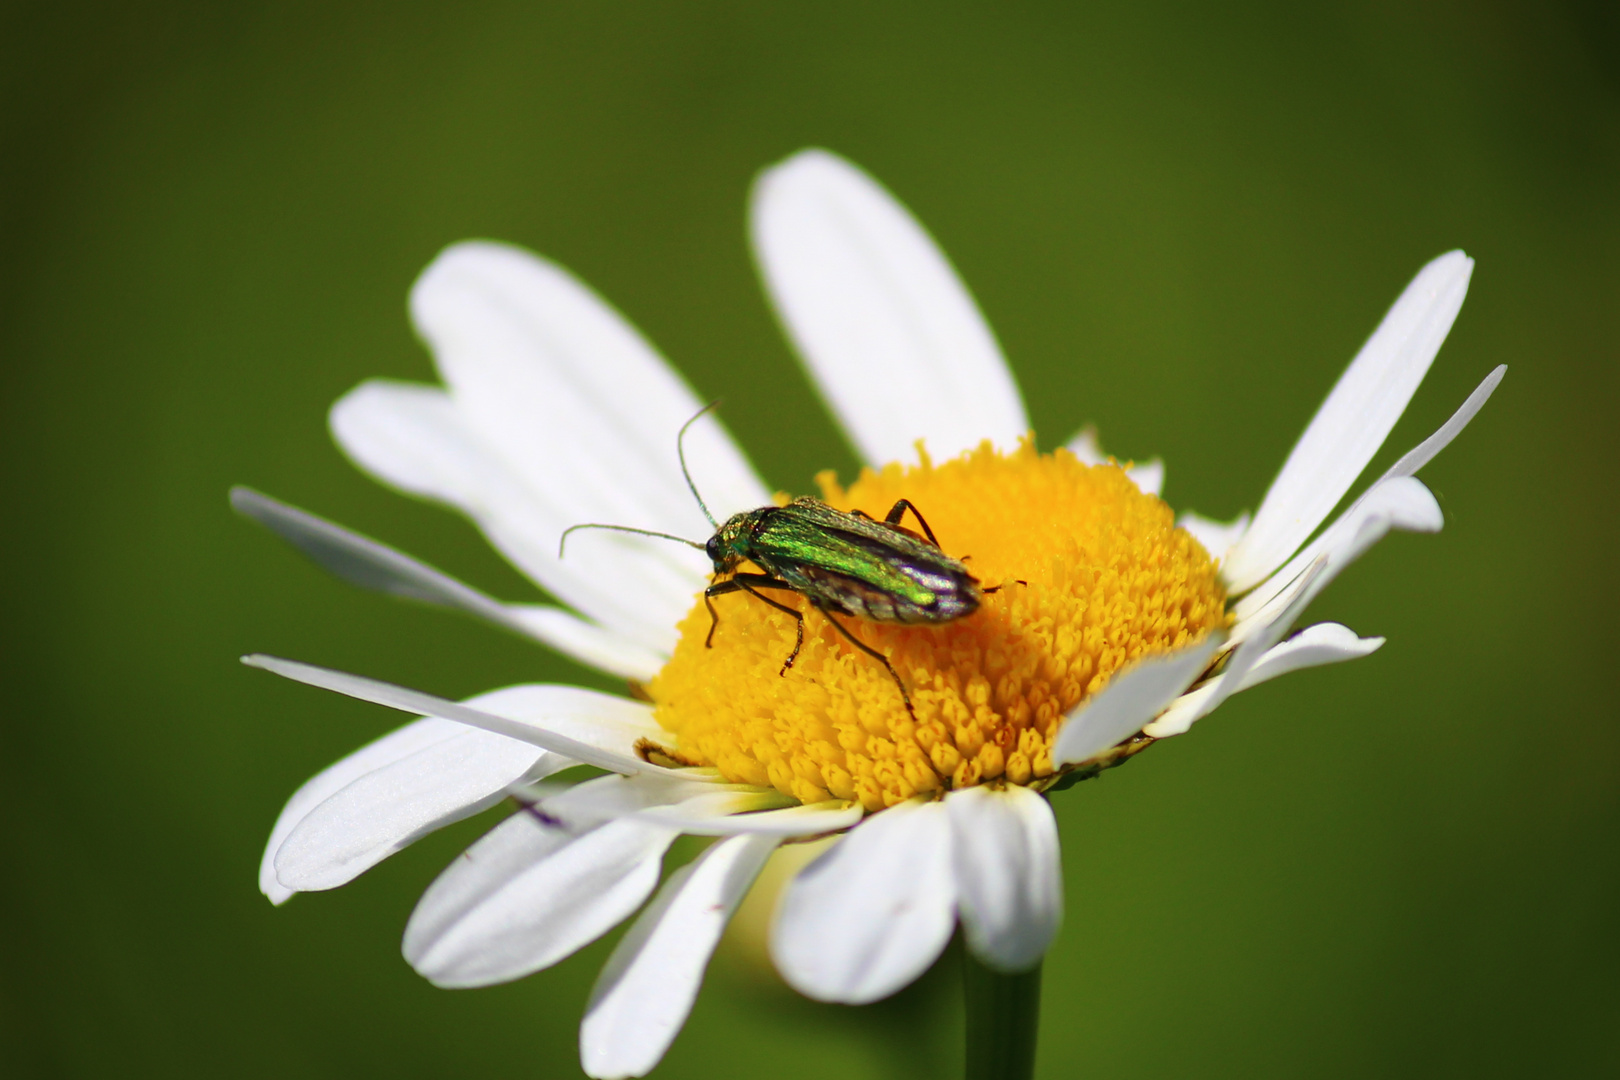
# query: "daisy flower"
[[1107, 624]]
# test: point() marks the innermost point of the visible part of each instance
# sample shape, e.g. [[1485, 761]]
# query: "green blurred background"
[[1182, 220]]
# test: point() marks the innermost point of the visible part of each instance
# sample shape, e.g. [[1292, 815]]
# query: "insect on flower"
[[1132, 626], [844, 563]]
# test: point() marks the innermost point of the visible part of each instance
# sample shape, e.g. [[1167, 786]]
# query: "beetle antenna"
[[680, 452], [562, 540]]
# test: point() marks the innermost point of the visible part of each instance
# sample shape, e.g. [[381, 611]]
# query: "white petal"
[[1324, 643], [1423, 515], [1087, 447], [871, 914], [1215, 536], [425, 776], [712, 819], [415, 438], [388, 808], [690, 815], [1400, 503], [1354, 420], [1148, 476], [889, 333], [1425, 451], [648, 985], [1131, 699], [1183, 712], [571, 394], [612, 718], [1008, 874], [582, 417], [362, 561], [529, 893], [607, 798], [396, 745], [588, 643]]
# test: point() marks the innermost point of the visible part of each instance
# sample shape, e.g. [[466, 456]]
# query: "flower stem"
[[1003, 1017]]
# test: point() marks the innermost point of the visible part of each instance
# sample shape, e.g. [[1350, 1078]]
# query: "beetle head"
[[728, 546]]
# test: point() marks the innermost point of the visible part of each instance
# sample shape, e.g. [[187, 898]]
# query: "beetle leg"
[[719, 588], [898, 511], [748, 583], [874, 654]]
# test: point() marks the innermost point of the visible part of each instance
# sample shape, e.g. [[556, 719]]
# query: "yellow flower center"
[[1089, 574]]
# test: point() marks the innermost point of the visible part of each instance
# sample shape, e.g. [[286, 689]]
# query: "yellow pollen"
[[1090, 574]]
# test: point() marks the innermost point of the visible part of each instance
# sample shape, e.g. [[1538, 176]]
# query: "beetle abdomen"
[[937, 598]]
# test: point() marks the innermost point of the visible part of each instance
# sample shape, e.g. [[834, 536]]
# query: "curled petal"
[[1401, 503], [1324, 643]]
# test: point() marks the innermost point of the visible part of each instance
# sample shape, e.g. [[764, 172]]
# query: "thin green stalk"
[[1003, 1018]]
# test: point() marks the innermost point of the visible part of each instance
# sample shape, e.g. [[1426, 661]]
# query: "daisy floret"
[[1106, 624]]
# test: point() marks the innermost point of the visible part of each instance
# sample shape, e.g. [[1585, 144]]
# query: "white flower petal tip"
[[388, 808], [870, 915], [529, 893], [539, 733], [428, 774], [648, 985], [1323, 643], [1009, 877], [1148, 475], [1354, 420], [1425, 451], [1132, 698], [888, 331], [362, 561], [396, 746]]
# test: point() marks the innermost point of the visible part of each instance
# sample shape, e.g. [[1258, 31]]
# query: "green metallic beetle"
[[842, 563]]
